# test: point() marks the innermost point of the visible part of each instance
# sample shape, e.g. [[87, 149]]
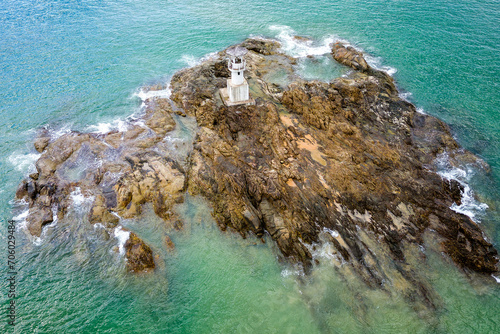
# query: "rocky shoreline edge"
[[346, 162]]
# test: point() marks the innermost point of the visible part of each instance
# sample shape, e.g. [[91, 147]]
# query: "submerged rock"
[[346, 162]]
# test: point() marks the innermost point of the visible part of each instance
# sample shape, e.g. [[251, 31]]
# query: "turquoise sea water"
[[68, 64]]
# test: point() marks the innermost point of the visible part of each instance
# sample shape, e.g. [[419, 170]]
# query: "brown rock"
[[45, 166], [154, 179], [350, 57], [37, 218], [262, 46], [169, 244], [301, 38], [100, 214], [161, 123], [139, 255], [41, 143], [22, 190]]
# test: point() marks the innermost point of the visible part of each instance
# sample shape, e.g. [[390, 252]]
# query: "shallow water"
[[80, 65]]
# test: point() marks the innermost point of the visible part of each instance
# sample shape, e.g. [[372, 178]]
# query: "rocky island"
[[348, 162]]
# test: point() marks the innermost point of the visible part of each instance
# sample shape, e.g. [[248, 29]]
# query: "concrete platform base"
[[225, 98]]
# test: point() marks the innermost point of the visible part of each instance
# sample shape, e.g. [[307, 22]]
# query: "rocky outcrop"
[[346, 162], [139, 255], [41, 143], [349, 56], [120, 170]]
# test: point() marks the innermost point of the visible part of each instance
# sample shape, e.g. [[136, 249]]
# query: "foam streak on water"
[[103, 128], [469, 205], [21, 219], [78, 198], [148, 94], [324, 249], [24, 162], [301, 48], [377, 63], [122, 237], [192, 61]]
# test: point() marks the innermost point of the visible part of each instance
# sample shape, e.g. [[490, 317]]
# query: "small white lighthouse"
[[237, 91]]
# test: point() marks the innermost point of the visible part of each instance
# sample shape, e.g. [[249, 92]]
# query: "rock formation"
[[346, 162]]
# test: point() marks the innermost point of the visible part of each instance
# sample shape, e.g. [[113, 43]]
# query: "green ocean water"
[[69, 64]]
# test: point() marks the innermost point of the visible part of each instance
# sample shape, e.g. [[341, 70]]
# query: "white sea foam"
[[192, 61], [122, 237], [37, 241], [390, 70], [65, 129], [77, 196], [296, 271], [144, 95], [54, 217], [405, 96], [333, 233], [22, 223], [325, 251], [98, 225], [376, 63], [24, 162], [103, 128], [22, 216], [80, 201], [469, 205], [301, 48]]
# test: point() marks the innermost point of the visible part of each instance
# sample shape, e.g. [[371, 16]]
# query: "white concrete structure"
[[237, 65], [237, 91]]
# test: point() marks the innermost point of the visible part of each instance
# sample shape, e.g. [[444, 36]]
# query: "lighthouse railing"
[[232, 65]]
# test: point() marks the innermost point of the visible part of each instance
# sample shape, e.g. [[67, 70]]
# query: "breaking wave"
[[469, 205]]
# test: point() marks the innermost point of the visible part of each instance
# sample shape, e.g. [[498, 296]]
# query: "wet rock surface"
[[346, 162], [139, 255]]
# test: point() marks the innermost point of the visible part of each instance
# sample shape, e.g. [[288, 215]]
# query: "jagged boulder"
[[41, 143], [139, 255], [349, 56]]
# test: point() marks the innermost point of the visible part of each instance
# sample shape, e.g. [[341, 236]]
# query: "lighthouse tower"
[[237, 91]]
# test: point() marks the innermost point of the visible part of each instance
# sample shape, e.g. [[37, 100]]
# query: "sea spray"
[[145, 94], [115, 125], [192, 61], [79, 199], [24, 162], [21, 218], [315, 61], [469, 205], [122, 125], [122, 237], [298, 47]]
